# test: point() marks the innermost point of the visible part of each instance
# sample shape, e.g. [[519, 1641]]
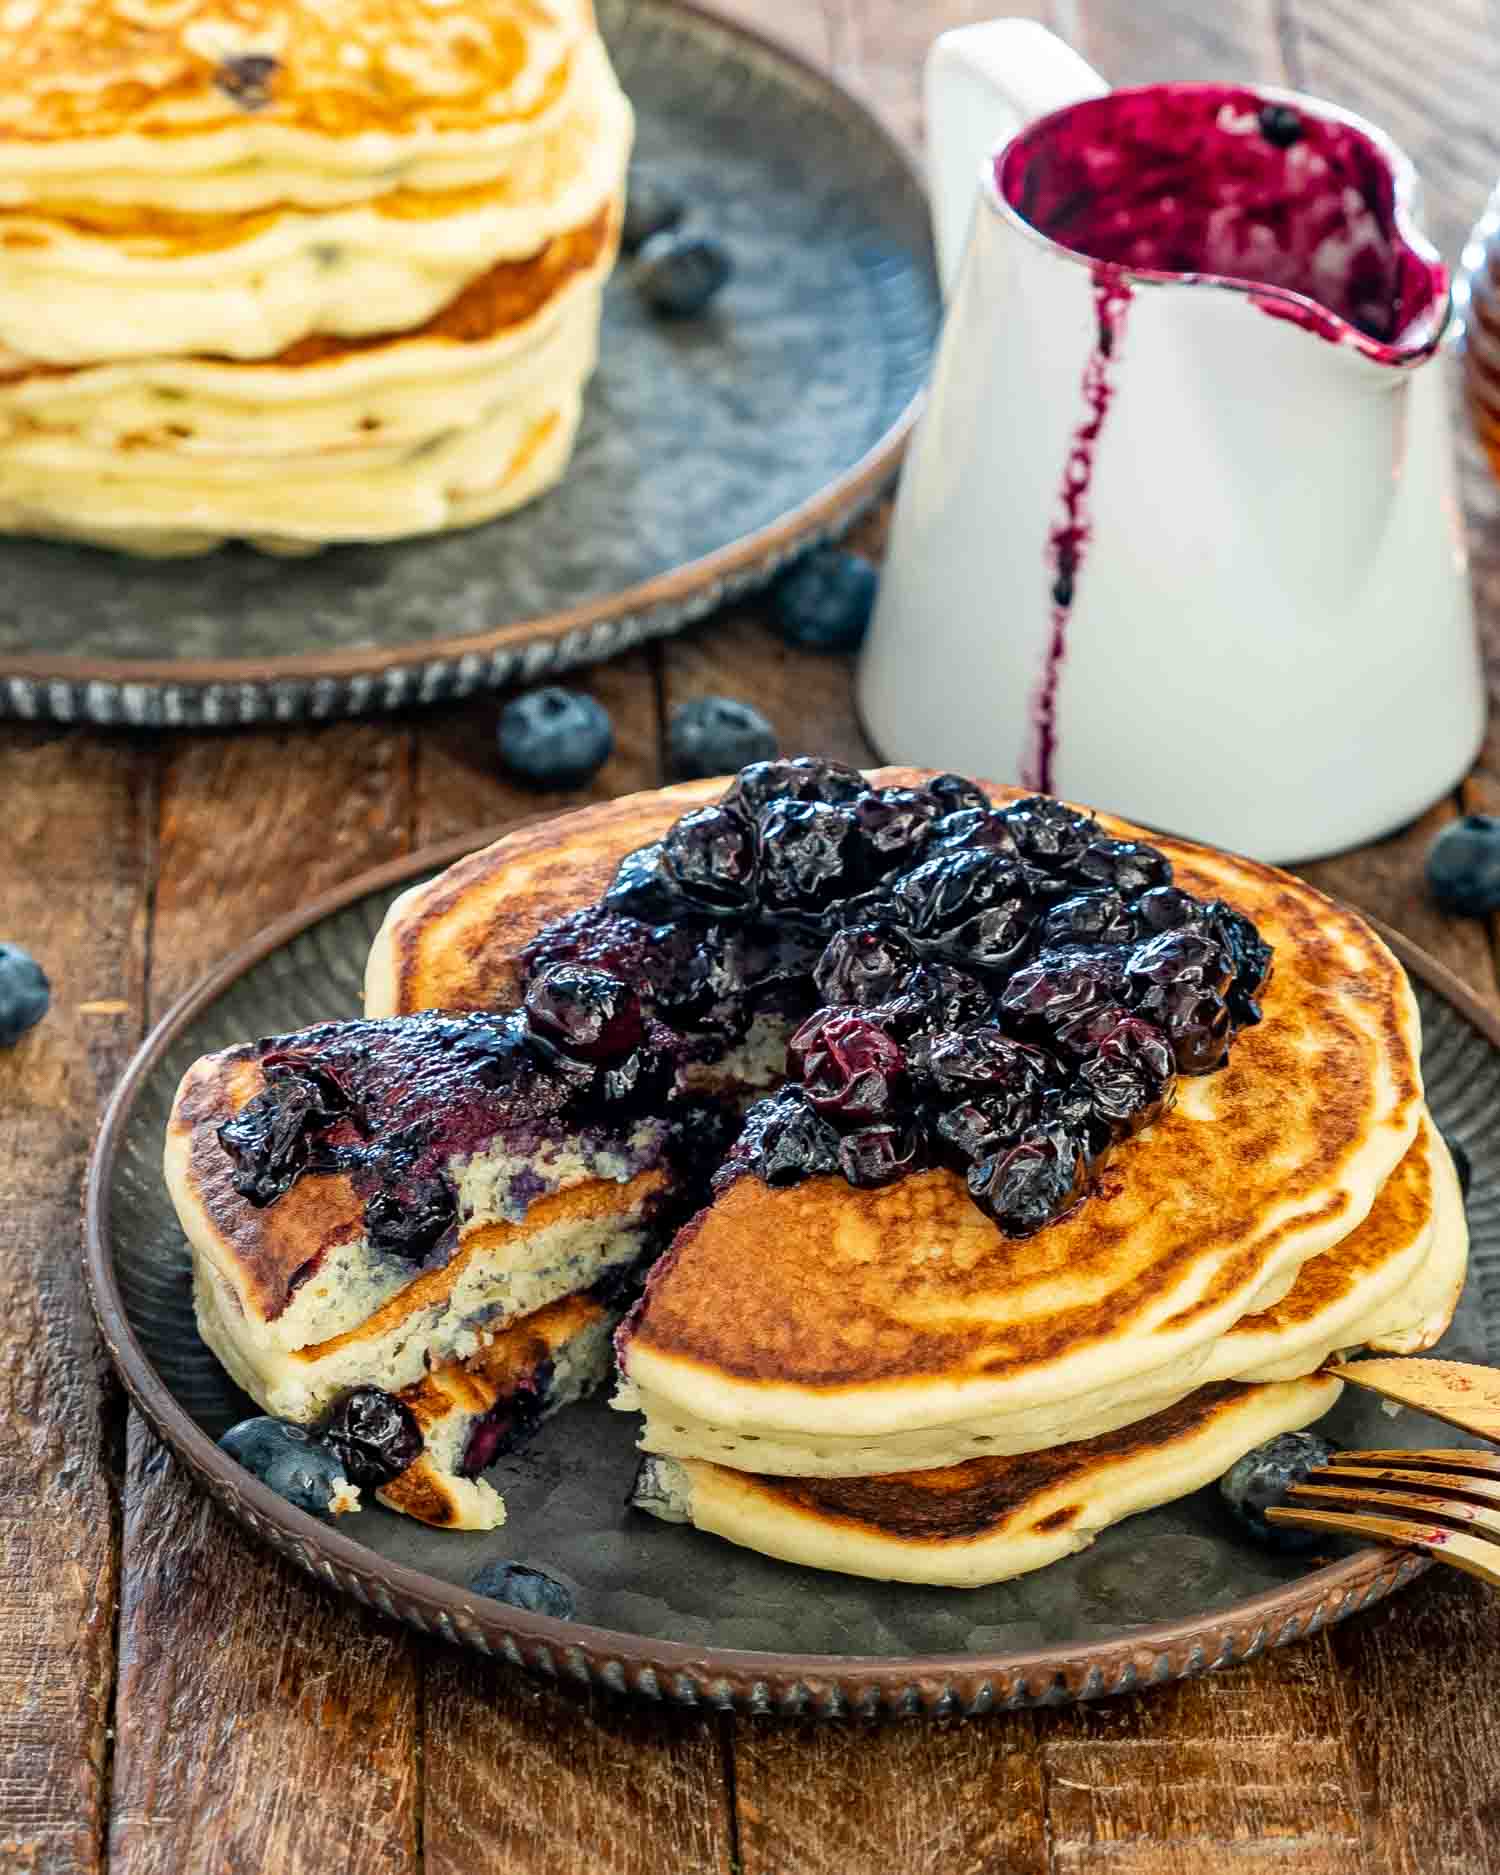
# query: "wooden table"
[[174, 1699]]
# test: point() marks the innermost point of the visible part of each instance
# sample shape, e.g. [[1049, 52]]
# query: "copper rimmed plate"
[[666, 1613], [712, 449]]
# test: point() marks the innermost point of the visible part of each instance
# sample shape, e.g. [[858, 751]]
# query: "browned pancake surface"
[[960, 1502]]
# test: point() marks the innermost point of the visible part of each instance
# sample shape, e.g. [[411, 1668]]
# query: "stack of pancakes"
[[879, 1381], [297, 271]]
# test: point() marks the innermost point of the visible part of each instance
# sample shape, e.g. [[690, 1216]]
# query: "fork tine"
[[1471, 1485], [1477, 1555], [1425, 1503], [1449, 1458]]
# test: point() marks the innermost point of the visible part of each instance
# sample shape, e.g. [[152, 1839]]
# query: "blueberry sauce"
[[1210, 183], [1069, 538], [1007, 992]]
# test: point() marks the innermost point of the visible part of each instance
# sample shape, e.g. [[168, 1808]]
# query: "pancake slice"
[[991, 1518], [471, 1412], [294, 1296]]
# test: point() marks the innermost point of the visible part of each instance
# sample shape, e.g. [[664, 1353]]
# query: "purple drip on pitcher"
[[1067, 542]]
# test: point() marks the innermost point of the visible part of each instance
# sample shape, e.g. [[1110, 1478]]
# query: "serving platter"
[[669, 1614], [712, 449]]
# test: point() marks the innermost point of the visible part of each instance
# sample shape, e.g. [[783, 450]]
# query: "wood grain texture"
[[261, 1723], [520, 1779], [925, 1799], [1246, 1769], [74, 871]]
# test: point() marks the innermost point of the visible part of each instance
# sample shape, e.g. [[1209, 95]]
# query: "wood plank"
[[458, 782], [74, 859], [1417, 1684], [261, 1723], [520, 1779], [1137, 45], [1248, 1767], [925, 1798]]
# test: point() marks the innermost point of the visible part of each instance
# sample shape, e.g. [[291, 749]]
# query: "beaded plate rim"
[[675, 1672], [319, 685]]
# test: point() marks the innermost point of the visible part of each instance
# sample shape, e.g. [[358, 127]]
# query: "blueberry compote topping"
[[1008, 992]]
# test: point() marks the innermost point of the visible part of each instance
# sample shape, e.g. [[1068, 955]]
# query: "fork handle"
[[1460, 1393]]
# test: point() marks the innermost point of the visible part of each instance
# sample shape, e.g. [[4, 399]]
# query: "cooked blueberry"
[[25, 993], [973, 829], [1264, 1476], [1463, 865], [1071, 1108], [972, 907], [1031, 1184], [715, 736], [512, 1420], [955, 795], [289, 1460], [694, 976], [784, 1141], [1249, 954], [972, 1063], [1125, 866], [588, 1013], [1179, 980], [521, 1587], [1280, 125], [1050, 833], [1044, 996], [642, 1077], [933, 997], [862, 965], [373, 1435], [645, 887], [793, 778], [651, 207], [848, 1068], [271, 1138], [824, 601], [712, 857], [973, 1130], [894, 824], [1463, 1165], [677, 275], [1090, 918], [803, 854], [880, 1154], [1168, 908], [408, 1218], [555, 738], [1129, 1074]]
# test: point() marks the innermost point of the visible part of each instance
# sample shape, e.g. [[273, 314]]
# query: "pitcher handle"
[[981, 84]]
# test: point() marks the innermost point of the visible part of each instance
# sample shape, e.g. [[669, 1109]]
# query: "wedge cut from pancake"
[[472, 1411], [990, 1518], [296, 1299], [1392, 1283]]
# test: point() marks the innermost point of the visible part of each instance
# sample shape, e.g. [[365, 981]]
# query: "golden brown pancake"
[[991, 1518]]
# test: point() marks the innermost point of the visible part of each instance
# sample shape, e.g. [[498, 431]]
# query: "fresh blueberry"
[[823, 603], [520, 1587], [1463, 1165], [1264, 1476], [289, 1460], [677, 275], [1463, 865], [555, 738], [25, 993], [716, 736], [650, 208]]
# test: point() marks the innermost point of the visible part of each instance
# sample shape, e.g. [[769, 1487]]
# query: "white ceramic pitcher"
[[1265, 637]]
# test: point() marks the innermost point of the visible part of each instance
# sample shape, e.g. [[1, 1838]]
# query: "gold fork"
[[1447, 1502]]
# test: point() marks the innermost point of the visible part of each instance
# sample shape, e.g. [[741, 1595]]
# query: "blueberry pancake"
[[297, 271]]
